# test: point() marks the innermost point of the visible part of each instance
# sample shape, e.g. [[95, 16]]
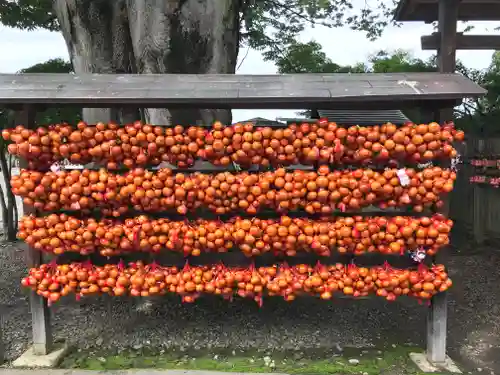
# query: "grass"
[[391, 361]]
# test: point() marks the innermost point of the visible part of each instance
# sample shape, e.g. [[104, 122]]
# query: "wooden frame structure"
[[464, 42], [446, 41], [432, 91], [448, 12]]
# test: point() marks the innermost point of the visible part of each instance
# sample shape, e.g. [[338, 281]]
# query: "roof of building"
[[261, 121], [427, 10], [361, 117], [225, 91]]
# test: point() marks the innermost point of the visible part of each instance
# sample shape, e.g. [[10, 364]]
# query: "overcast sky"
[[22, 49]]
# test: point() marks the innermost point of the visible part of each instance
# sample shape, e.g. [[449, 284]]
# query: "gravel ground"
[[474, 319]]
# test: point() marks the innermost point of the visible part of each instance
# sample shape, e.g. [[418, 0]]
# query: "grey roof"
[[427, 10], [361, 117], [260, 121], [287, 91]]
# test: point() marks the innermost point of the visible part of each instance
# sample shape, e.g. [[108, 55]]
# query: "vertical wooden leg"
[[40, 313], [40, 318], [436, 329]]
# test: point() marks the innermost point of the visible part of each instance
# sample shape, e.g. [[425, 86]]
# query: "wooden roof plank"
[[233, 91], [427, 10]]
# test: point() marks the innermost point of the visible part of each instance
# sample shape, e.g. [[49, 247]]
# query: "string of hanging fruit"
[[54, 281], [58, 234], [244, 144], [322, 191]]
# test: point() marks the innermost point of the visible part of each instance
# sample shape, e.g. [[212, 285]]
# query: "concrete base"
[[51, 360], [420, 359]]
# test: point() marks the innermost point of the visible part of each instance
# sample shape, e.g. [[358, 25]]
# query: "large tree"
[[183, 36]]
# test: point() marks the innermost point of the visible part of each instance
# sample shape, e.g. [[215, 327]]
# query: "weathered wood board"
[[339, 91], [427, 10]]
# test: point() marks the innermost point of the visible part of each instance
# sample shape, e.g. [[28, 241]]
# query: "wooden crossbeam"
[[464, 42]]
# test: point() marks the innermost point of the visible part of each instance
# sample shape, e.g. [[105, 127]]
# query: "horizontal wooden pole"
[[467, 42]]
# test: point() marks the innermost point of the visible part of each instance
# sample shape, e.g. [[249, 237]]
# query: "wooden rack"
[[430, 91]]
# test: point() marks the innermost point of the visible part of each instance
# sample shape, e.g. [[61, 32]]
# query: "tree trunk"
[[98, 41], [185, 36], [152, 36]]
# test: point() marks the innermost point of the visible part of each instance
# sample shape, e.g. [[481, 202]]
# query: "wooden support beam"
[[437, 314], [40, 313], [465, 42], [447, 27]]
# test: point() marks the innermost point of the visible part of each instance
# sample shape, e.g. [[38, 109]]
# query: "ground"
[[98, 325], [393, 361]]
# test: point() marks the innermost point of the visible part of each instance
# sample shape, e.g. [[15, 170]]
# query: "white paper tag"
[[455, 162], [66, 164], [55, 167], [403, 177], [73, 166], [418, 255]]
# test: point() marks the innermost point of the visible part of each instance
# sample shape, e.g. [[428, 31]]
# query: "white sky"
[[22, 49]]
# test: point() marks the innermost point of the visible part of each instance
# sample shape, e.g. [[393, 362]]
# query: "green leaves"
[[272, 25], [28, 14], [309, 58], [400, 61], [50, 66]]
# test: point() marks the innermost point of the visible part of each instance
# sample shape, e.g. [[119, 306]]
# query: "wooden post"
[[447, 52], [438, 310], [478, 224], [436, 329], [40, 313], [437, 315]]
